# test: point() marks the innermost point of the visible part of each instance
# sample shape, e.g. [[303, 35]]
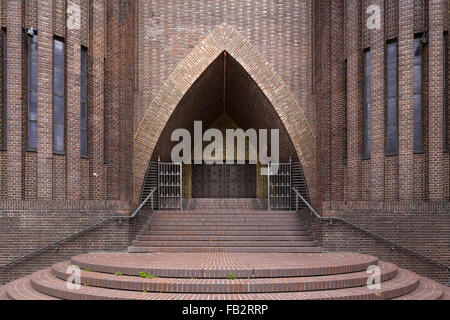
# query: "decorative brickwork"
[[224, 38]]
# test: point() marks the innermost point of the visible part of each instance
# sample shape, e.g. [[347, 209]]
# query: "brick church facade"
[[363, 110]]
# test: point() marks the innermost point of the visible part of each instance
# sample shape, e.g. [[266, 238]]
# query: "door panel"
[[224, 181]]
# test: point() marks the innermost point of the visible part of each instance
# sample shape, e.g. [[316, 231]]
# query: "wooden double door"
[[224, 181]]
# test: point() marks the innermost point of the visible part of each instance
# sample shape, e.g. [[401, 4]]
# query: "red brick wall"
[[29, 225], [422, 227], [405, 176], [306, 42]]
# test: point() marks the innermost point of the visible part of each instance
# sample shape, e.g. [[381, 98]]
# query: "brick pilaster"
[[337, 99], [354, 96], [96, 99], [112, 101], [436, 100], [14, 89], [45, 100], [406, 99], [377, 111], [73, 49]]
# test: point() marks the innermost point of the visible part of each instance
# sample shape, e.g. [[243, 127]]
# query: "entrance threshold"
[[225, 203]]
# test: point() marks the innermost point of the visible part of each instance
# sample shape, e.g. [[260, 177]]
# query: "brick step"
[[259, 249], [222, 219], [264, 237], [230, 223], [219, 265], [134, 249], [224, 243], [224, 203], [147, 233], [427, 290], [249, 285], [227, 211], [22, 289], [404, 283], [224, 228]]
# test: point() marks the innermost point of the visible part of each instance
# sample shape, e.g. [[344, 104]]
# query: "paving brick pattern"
[[187, 264], [259, 276]]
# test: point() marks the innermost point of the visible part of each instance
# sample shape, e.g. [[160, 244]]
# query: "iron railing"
[[394, 245], [91, 227]]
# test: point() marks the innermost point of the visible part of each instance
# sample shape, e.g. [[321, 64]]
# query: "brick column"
[[324, 112], [354, 97], [14, 89], [112, 101], [73, 49], [96, 99], [45, 99], [406, 99], [377, 121], [337, 99], [436, 100]]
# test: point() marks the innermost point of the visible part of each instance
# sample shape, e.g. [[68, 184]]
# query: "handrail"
[[93, 226], [331, 218]]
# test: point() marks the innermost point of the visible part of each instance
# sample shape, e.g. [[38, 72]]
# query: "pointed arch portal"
[[224, 74]]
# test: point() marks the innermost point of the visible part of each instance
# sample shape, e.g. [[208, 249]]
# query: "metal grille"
[[279, 186], [298, 182], [151, 182], [170, 185]]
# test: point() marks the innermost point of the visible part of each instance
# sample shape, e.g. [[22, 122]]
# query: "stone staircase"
[[210, 251]]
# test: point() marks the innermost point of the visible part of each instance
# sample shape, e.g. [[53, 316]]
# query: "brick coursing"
[[144, 56]]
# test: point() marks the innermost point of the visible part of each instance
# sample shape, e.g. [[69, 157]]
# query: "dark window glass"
[[418, 125], [4, 91], [366, 151], [83, 99], [392, 101], [58, 95], [32, 93]]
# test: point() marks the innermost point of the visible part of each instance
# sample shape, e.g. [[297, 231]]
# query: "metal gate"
[[279, 186], [170, 184]]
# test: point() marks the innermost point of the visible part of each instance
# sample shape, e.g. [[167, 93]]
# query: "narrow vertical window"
[[83, 101], [32, 93], [418, 125], [4, 100], [392, 99], [58, 96], [366, 151]]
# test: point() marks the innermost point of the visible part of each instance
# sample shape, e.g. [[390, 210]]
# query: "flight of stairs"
[[211, 226], [209, 251]]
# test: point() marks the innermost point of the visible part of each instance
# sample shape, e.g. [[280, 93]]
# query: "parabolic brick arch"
[[224, 38]]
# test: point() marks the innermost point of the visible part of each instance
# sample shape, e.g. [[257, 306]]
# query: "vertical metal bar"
[[181, 186], [158, 186], [268, 186]]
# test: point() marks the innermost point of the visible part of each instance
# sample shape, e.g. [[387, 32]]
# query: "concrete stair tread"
[[249, 285], [404, 283], [427, 290], [218, 265]]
